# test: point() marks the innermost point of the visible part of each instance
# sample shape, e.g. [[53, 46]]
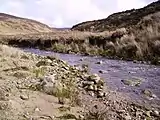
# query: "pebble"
[[37, 110], [148, 113], [50, 78], [91, 93], [155, 113], [24, 97], [81, 117], [81, 59], [88, 82], [49, 61], [100, 94], [91, 87], [121, 111], [99, 62], [127, 117], [102, 71]]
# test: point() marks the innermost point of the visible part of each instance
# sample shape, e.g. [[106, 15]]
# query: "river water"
[[115, 71]]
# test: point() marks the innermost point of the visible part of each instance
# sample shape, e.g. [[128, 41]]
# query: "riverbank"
[[38, 87], [140, 45], [122, 76]]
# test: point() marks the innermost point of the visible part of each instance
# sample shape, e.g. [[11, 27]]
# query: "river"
[[114, 71]]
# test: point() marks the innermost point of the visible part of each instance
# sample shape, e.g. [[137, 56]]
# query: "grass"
[[143, 45], [67, 90], [138, 38], [140, 42], [13, 25], [126, 19], [39, 72]]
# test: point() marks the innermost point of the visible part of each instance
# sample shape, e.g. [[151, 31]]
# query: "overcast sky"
[[65, 13]]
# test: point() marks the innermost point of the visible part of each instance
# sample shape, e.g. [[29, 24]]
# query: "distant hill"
[[131, 35], [124, 19], [10, 24]]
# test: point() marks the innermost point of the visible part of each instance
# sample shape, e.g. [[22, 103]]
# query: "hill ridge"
[[119, 19]]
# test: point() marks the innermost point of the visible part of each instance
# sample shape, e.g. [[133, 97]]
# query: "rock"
[[99, 89], [139, 113], [95, 78], [155, 113], [155, 61], [132, 82], [49, 61], [99, 62], [20, 74], [37, 110], [85, 67], [135, 61], [91, 93], [147, 92], [102, 71], [65, 67], [154, 96], [48, 85], [50, 78], [88, 83], [81, 59], [24, 56], [61, 100], [24, 97], [51, 58], [4, 105], [95, 88], [143, 62], [100, 94], [148, 113], [121, 111], [49, 88], [26, 115], [43, 63], [81, 117], [3, 95], [90, 87], [128, 117]]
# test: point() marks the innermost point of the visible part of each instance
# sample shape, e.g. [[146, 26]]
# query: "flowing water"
[[115, 71]]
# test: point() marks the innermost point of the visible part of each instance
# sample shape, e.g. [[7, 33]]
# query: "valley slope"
[[10, 24], [130, 35]]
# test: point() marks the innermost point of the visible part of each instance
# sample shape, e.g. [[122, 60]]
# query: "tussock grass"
[[140, 42]]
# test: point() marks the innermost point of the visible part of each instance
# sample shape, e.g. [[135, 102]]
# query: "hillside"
[[134, 34], [10, 24], [125, 19], [129, 35]]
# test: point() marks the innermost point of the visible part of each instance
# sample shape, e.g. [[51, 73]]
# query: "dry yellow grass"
[[15, 25], [140, 41]]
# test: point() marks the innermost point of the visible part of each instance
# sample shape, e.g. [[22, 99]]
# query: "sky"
[[66, 13]]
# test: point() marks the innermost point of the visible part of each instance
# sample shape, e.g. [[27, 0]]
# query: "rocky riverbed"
[[130, 77], [46, 88]]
